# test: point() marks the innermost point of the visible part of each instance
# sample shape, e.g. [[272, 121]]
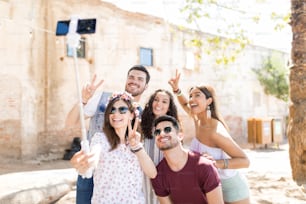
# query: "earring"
[[208, 112]]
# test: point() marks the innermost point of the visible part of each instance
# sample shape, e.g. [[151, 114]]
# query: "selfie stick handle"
[[73, 41]]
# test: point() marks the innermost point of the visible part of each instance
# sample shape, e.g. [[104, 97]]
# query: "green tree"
[[273, 76], [231, 35]]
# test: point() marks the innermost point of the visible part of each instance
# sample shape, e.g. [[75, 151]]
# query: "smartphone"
[[85, 26]]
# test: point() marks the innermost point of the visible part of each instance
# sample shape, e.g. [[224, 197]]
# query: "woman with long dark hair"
[[213, 140], [118, 157], [161, 102]]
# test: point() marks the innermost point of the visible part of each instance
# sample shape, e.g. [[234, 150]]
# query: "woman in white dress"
[[119, 159]]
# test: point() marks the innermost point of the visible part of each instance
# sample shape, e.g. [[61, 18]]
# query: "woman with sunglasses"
[[161, 102], [118, 156], [213, 140]]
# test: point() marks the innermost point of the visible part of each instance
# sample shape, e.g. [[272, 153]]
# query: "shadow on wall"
[[235, 124]]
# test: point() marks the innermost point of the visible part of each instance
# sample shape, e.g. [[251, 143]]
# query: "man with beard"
[[183, 176], [137, 81]]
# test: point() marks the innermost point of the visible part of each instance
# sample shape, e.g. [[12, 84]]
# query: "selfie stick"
[[73, 41]]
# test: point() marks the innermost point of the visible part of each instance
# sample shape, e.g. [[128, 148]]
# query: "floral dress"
[[118, 176]]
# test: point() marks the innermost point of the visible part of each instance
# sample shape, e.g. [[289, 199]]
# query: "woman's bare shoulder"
[[221, 130]]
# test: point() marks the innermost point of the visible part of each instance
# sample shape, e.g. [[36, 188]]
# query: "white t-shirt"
[[91, 106]]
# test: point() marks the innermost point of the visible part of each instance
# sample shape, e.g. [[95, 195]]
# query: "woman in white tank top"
[[214, 141]]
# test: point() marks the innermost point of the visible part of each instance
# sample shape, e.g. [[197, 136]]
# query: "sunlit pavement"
[[269, 177], [32, 187]]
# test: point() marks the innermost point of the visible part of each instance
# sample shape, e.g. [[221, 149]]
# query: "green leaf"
[[273, 76]]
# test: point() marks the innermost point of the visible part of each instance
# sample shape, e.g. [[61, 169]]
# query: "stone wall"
[[38, 85]]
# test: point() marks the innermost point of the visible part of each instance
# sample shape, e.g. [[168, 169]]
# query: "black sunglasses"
[[121, 109], [158, 131]]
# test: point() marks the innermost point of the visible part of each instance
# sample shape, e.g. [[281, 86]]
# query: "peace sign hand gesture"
[[136, 147], [134, 137], [174, 81], [89, 90]]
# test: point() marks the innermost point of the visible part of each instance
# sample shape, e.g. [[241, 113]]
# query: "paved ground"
[[270, 178], [54, 182], [35, 182]]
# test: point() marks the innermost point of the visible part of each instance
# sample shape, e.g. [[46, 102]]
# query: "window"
[[146, 56], [80, 50]]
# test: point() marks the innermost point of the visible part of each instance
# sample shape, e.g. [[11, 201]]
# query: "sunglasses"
[[121, 109], [158, 131]]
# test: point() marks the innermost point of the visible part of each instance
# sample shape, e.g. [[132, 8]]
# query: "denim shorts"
[[235, 188]]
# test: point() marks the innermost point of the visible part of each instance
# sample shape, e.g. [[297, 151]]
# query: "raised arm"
[[174, 83], [146, 163], [73, 117]]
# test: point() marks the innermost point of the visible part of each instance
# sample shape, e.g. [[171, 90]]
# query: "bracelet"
[[178, 92], [136, 148], [225, 163]]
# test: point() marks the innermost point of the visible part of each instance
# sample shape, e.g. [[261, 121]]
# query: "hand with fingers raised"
[[146, 163], [174, 82], [134, 137], [89, 90]]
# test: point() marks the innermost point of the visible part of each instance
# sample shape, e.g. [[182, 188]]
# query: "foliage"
[[280, 20], [224, 48], [273, 76], [231, 37]]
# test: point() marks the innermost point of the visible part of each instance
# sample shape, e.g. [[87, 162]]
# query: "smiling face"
[[120, 115], [164, 139], [161, 103], [197, 101], [136, 82]]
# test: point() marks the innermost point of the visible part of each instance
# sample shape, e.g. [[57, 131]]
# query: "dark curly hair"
[[148, 116]]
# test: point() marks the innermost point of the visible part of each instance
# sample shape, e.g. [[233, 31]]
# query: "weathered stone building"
[[37, 78]]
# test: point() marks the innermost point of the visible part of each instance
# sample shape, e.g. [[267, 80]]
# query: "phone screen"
[[85, 26]]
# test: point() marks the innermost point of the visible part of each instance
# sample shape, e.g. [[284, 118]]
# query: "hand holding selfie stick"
[[73, 41]]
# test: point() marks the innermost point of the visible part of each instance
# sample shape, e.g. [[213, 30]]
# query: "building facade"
[[37, 77]]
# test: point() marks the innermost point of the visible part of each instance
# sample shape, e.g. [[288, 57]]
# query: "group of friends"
[[137, 155]]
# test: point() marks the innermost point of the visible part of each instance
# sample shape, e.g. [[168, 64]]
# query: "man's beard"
[[170, 146], [137, 93]]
